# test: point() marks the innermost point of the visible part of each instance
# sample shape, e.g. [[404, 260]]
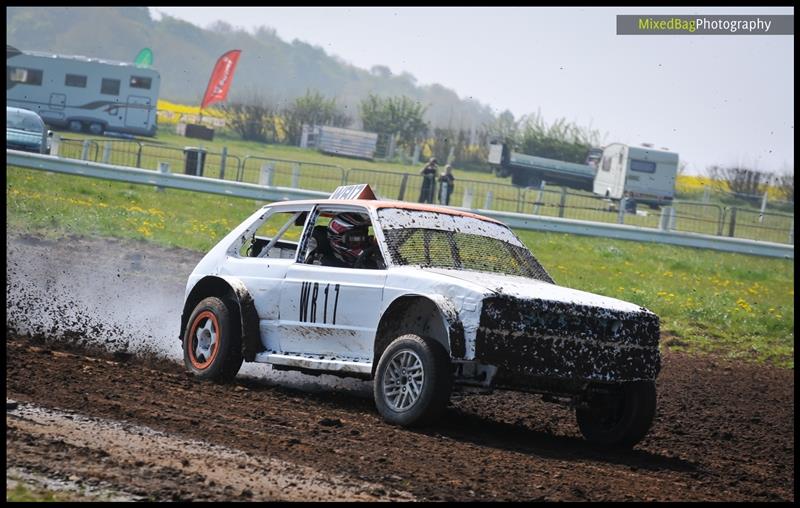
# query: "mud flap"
[[251, 336]]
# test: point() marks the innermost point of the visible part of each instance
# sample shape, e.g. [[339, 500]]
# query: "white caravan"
[[83, 94], [647, 175]]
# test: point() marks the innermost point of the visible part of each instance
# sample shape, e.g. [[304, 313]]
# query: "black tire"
[[534, 182], [620, 419], [432, 391], [75, 126], [218, 361], [96, 128]]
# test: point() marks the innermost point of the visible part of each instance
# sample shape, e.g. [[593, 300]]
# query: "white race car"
[[422, 300]]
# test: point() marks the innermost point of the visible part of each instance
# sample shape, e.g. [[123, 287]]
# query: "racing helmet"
[[348, 234]]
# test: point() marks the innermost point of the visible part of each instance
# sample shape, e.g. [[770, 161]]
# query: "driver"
[[349, 237]]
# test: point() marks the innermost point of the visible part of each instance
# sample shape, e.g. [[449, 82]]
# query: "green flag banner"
[[145, 57]]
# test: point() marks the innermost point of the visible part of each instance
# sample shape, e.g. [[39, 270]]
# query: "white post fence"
[[487, 205], [466, 201], [106, 151], [295, 176], [267, 174], [539, 197], [163, 167]]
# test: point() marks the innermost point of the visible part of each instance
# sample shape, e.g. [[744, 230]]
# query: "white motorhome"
[[645, 174], [83, 94]]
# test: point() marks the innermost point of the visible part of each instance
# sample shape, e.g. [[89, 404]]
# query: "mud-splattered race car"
[[422, 300]]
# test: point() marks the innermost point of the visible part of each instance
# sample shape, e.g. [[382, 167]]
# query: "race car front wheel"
[[621, 416], [212, 342], [413, 381]]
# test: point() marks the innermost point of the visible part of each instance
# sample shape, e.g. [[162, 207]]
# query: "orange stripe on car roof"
[[376, 204]]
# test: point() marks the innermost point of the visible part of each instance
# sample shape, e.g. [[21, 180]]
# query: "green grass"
[[24, 494], [32, 491], [59, 204], [733, 304], [737, 305]]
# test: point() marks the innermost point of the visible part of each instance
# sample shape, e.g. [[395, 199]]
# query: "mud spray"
[[121, 296]]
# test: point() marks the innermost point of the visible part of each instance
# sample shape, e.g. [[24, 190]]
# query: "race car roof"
[[376, 204]]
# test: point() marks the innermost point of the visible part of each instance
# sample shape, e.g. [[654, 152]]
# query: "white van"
[[646, 175], [83, 94]]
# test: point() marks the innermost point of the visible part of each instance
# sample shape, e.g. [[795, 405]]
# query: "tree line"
[[750, 184], [401, 121]]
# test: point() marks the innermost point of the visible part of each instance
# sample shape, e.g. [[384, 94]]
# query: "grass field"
[[25, 494], [39, 490], [737, 305], [29, 493], [310, 169]]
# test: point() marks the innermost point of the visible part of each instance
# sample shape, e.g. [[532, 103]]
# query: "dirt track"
[[723, 431]]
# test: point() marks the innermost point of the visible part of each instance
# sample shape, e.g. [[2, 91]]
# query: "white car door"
[[327, 310], [331, 311], [263, 276]]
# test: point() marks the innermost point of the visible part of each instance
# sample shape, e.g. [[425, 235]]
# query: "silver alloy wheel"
[[403, 380], [206, 337]]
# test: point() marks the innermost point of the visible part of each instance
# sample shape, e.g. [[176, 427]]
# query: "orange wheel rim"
[[204, 337]]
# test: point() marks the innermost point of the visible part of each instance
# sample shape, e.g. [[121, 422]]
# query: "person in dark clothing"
[[630, 203], [446, 183], [428, 189]]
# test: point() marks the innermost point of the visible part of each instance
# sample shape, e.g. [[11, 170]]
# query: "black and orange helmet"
[[348, 234]]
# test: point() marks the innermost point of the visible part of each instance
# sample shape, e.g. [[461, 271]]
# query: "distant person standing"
[[428, 189], [629, 203], [446, 182]]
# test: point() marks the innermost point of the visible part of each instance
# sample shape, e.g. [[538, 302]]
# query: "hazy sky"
[[717, 99]]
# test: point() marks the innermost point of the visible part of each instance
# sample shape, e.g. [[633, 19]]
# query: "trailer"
[[530, 170], [642, 174], [83, 94]]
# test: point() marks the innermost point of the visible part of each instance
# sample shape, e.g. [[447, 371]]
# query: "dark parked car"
[[26, 131]]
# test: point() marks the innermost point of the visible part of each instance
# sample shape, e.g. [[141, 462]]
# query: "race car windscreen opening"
[[437, 240]]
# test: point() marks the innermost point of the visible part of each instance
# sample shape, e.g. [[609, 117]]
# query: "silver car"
[[26, 131]]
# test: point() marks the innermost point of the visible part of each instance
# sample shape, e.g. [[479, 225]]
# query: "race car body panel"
[[470, 284]]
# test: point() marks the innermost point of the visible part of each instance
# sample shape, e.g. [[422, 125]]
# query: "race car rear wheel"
[[620, 417], [413, 381], [212, 342]]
